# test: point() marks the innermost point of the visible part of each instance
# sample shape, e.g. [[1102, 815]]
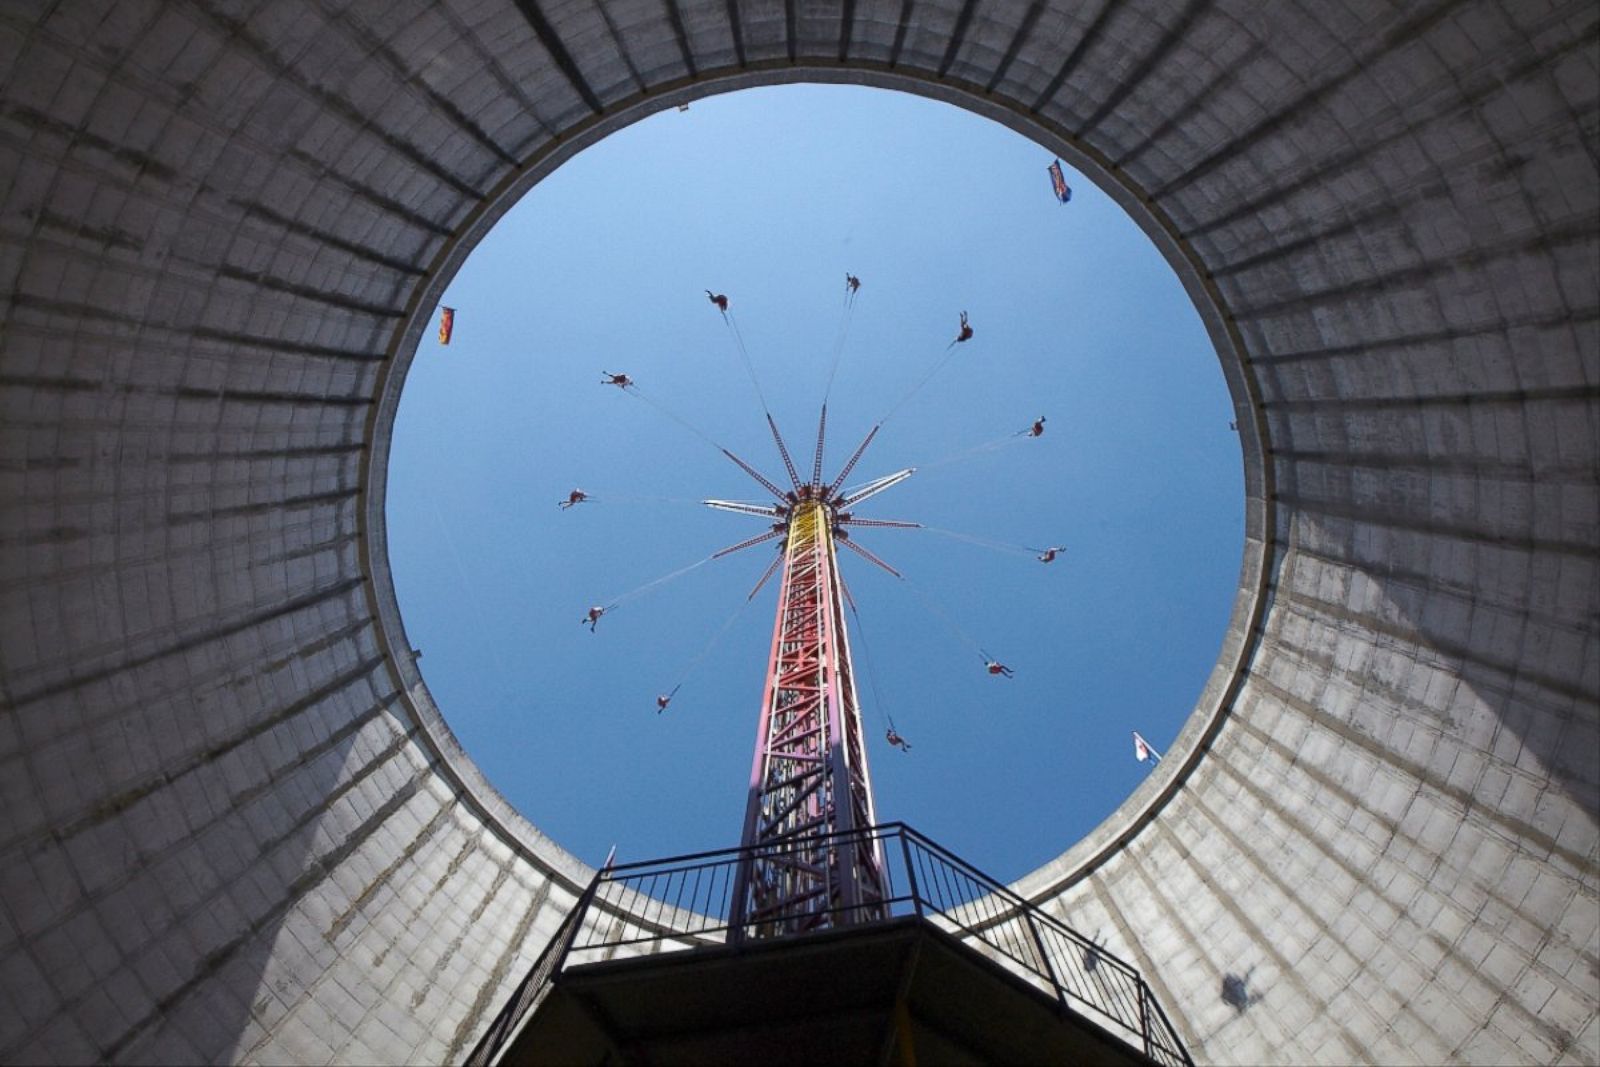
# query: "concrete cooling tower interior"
[[236, 826]]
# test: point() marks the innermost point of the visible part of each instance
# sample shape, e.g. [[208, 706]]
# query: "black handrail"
[[687, 900]]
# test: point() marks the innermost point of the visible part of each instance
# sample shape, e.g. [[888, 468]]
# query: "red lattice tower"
[[809, 780]]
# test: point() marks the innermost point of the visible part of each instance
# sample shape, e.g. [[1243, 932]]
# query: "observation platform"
[[953, 968]]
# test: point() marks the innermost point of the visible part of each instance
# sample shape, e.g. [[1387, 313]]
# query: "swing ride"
[[810, 777], [524, 682]]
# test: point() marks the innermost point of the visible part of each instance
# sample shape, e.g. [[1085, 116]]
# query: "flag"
[[447, 322], [1142, 750], [1058, 182]]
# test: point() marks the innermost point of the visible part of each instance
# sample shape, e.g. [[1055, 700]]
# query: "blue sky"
[[770, 196]]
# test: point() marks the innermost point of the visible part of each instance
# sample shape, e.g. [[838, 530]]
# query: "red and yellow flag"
[[447, 322], [1058, 182]]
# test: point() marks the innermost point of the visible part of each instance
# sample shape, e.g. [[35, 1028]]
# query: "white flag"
[[1142, 750]]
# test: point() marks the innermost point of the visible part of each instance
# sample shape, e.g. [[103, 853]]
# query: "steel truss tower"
[[809, 778]]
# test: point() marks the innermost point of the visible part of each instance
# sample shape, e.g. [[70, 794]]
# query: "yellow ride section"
[[809, 524]]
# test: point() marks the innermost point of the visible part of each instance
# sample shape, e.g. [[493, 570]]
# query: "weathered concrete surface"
[[234, 827]]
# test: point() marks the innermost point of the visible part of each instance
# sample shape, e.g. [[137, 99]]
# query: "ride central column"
[[809, 776]]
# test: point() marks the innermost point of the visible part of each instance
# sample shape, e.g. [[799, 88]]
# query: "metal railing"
[[687, 901]]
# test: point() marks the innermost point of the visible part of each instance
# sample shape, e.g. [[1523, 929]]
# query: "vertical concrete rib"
[[558, 53], [736, 30], [1030, 19], [1068, 64], [1154, 971], [957, 36], [1170, 37]]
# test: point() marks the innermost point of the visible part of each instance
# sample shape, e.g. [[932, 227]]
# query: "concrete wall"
[[234, 826]]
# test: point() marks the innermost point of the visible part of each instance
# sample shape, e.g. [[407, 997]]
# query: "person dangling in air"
[[662, 700], [577, 496], [1050, 553], [897, 741], [966, 330], [621, 381], [995, 667], [851, 282], [592, 617], [720, 300], [1037, 429]]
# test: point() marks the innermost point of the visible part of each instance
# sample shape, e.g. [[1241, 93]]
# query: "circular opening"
[[770, 196]]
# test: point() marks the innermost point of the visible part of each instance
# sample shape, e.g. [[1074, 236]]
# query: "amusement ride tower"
[[730, 976], [809, 783]]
